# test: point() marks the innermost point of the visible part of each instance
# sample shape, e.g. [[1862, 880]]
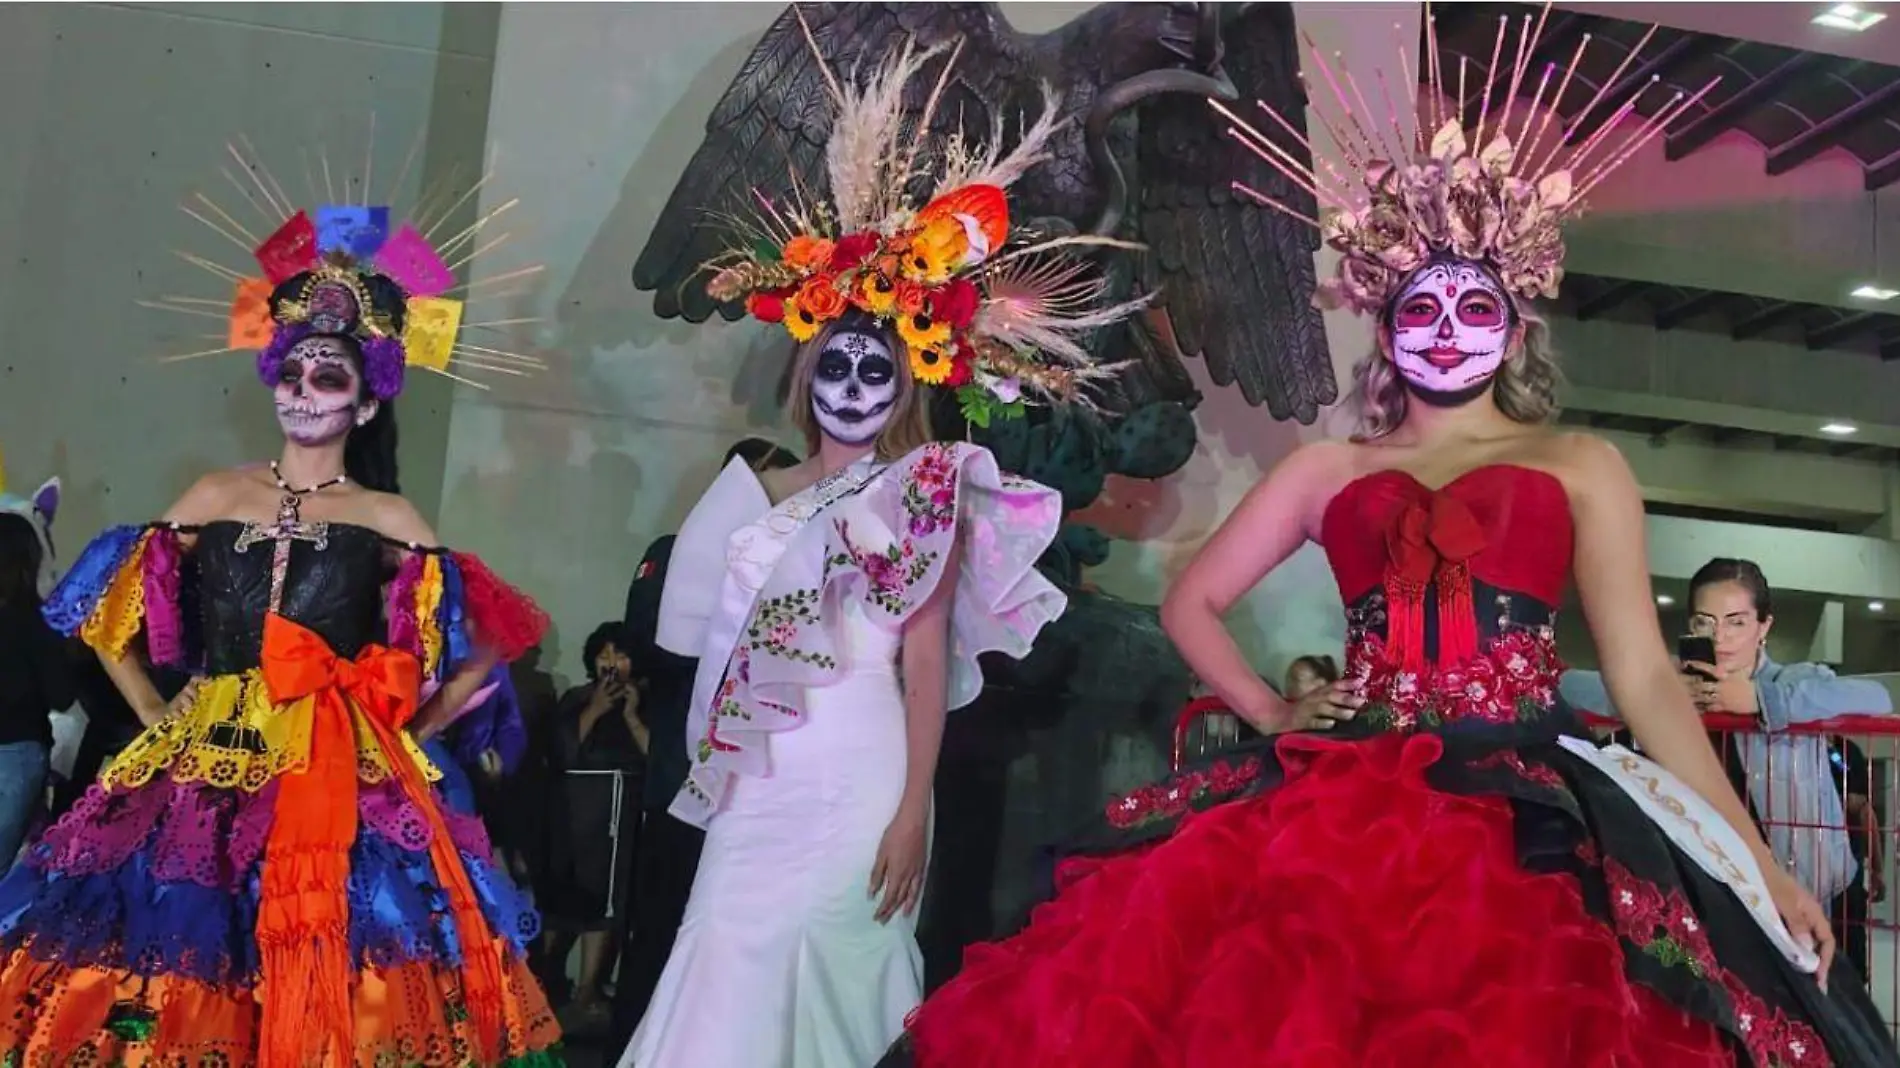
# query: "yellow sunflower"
[[877, 294], [935, 251], [800, 322], [932, 367], [920, 331]]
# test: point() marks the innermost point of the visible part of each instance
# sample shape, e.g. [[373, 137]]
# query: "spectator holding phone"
[[599, 755], [1788, 777]]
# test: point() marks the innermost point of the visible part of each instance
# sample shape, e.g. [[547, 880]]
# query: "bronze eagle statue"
[[1140, 156]]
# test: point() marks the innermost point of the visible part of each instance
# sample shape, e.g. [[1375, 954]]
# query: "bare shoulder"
[[1586, 464], [1320, 466], [395, 518], [1303, 482], [781, 483], [217, 495]]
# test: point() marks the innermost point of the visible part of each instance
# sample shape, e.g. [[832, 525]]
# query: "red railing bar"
[[1729, 722]]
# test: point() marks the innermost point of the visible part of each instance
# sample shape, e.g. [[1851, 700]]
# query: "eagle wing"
[[1235, 278]]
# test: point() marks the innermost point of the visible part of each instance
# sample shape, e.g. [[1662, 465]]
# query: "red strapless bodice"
[[1509, 524], [1451, 593]]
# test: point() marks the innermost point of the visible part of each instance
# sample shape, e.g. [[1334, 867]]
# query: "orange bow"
[[303, 909], [1432, 540]]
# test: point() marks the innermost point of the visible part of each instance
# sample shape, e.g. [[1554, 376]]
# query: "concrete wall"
[[113, 115]]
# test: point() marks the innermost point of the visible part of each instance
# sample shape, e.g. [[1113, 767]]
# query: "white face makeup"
[[317, 392], [1451, 329], [853, 387]]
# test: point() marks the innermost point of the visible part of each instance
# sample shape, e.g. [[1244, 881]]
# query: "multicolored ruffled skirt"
[[220, 898]]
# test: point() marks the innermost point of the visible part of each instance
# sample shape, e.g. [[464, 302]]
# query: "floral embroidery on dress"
[[930, 494], [1540, 774], [1664, 927], [1166, 800], [1514, 680], [889, 575], [776, 624]]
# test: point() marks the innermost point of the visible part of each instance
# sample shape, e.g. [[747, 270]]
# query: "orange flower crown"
[[1000, 318], [1500, 201]]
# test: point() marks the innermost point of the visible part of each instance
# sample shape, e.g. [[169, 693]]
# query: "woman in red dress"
[[1426, 864]]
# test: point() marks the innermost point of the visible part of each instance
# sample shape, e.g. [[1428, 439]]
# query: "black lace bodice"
[[333, 586]]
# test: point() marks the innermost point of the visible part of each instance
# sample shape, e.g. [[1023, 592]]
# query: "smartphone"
[[1696, 647]]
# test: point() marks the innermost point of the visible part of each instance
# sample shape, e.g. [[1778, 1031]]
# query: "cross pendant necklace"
[[289, 527]]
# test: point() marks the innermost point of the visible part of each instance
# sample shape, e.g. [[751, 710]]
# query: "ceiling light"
[[1874, 292], [1839, 430], [1848, 17], [1876, 606], [1665, 600]]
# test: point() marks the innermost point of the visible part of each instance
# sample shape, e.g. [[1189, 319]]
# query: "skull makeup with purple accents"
[[319, 392], [853, 387], [1450, 328]]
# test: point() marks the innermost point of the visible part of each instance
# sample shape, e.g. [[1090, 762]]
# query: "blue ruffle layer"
[[73, 600], [127, 919]]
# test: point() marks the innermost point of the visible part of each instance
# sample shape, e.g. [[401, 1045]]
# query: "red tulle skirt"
[[1352, 918]]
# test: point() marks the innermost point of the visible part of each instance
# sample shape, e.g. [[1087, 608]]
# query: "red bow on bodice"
[[1431, 539]]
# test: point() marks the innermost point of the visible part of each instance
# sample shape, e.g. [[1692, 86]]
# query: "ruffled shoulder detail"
[[697, 565], [444, 605], [886, 546], [126, 581]]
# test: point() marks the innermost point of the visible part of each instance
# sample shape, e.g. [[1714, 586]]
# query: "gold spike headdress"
[[998, 317], [348, 267], [1492, 194]]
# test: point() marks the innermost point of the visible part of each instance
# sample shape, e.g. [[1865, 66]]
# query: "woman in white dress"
[[838, 608]]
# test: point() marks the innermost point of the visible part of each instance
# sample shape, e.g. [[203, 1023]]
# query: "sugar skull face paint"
[[319, 393], [1450, 329], [853, 387]]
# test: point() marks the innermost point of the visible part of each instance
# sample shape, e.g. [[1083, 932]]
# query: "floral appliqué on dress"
[[1513, 680], [1663, 926]]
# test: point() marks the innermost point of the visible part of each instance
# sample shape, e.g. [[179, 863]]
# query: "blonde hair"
[[908, 428], [1525, 389]]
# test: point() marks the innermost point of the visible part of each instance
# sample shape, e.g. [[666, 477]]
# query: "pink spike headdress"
[[1497, 194]]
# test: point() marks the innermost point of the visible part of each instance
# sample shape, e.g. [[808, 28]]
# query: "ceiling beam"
[[1829, 132], [1562, 30], [1709, 125], [1882, 174], [1698, 304], [1659, 432], [1826, 337], [1611, 296], [1766, 318], [1676, 54]]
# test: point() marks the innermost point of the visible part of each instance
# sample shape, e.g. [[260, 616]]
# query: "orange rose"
[[807, 253], [820, 297], [911, 297]]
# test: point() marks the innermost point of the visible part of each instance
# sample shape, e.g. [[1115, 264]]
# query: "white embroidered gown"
[[780, 962]]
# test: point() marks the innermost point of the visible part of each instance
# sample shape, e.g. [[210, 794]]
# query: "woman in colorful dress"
[[1427, 864], [267, 876], [838, 607]]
